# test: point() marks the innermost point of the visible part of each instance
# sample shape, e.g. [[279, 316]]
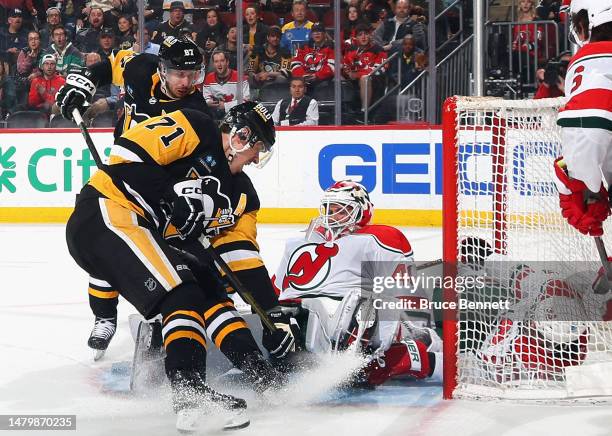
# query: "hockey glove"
[[283, 341], [77, 92], [200, 207], [583, 209]]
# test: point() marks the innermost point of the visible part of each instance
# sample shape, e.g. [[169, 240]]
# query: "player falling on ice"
[[115, 235], [155, 86], [546, 327], [586, 119], [324, 274]]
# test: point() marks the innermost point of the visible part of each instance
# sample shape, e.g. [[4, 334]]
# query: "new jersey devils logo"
[[309, 266]]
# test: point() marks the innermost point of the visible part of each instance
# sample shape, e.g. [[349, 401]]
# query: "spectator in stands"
[[315, 61], [125, 32], [28, 61], [389, 35], [412, 62], [221, 86], [212, 34], [548, 10], [253, 30], [526, 11], [86, 39], [231, 49], [7, 86], [361, 60], [29, 57], [173, 25], [270, 63], [54, 19], [65, 53], [153, 13], [14, 37], [106, 43], [297, 110], [551, 79], [44, 88], [352, 19], [296, 32], [149, 47], [529, 39]]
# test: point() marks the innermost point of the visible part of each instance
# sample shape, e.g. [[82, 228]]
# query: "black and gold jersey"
[[138, 75], [148, 159]]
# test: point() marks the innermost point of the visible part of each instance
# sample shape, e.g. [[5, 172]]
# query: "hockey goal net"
[[550, 341]]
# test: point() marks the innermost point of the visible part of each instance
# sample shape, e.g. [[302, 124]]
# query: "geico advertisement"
[[401, 168]]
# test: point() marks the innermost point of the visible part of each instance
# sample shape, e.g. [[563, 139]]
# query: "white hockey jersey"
[[586, 119], [316, 268]]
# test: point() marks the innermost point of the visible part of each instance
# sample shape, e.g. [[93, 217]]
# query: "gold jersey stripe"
[[210, 312], [227, 330], [104, 184], [245, 229], [190, 313], [102, 294], [151, 134], [140, 240], [240, 265], [184, 334]]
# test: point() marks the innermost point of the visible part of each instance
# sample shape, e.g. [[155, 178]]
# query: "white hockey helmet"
[[345, 206], [598, 11]]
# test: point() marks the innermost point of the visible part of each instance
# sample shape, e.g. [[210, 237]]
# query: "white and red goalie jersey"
[[327, 278], [586, 119]]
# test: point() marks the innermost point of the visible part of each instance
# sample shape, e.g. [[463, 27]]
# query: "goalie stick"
[[231, 276], [603, 257]]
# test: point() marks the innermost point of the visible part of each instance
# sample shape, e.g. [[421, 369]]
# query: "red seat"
[[228, 18], [328, 18], [269, 18]]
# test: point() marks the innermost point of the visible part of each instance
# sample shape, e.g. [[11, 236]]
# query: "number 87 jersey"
[[586, 119]]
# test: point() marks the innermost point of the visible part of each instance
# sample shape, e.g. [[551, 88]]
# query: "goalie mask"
[[180, 67], [345, 207], [250, 125]]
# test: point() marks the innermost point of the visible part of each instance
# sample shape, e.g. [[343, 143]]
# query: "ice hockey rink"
[[46, 367]]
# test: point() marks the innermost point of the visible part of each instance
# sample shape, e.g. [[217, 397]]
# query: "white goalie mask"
[[345, 207], [598, 12]]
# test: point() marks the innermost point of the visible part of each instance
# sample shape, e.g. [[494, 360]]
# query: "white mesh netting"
[[551, 342]]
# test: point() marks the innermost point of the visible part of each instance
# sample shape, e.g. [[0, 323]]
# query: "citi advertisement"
[[400, 168]]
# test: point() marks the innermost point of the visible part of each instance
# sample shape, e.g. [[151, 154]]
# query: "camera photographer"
[[552, 77], [548, 10]]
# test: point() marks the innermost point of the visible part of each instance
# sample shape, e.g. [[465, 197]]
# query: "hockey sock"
[[103, 298], [183, 329]]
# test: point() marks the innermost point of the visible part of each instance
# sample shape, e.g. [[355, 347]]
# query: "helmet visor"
[[190, 77]]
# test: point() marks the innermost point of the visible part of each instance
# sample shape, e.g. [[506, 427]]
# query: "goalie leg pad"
[[408, 357]]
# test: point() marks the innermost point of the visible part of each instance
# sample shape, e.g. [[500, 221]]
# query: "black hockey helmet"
[[255, 116], [180, 54]]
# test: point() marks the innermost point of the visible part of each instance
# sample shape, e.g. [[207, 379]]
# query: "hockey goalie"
[[548, 325], [327, 275]]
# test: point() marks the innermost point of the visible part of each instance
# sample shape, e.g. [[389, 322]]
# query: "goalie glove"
[[76, 93], [283, 341], [584, 210], [199, 207]]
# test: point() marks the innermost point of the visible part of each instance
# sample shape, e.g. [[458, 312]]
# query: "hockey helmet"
[[251, 122], [345, 206], [598, 11], [180, 54]]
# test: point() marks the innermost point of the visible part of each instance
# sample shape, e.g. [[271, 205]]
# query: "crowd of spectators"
[[283, 40]]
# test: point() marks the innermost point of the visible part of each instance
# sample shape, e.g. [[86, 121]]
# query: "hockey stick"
[[231, 276], [603, 257]]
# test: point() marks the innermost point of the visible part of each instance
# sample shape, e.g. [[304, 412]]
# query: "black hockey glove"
[[200, 207], [77, 92], [283, 341]]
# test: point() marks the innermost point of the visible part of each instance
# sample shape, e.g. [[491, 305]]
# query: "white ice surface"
[[46, 367]]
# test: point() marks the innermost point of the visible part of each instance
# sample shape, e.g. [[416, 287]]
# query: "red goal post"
[[498, 188]]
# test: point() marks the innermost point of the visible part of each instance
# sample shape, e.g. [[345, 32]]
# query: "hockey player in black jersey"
[[155, 86], [114, 234]]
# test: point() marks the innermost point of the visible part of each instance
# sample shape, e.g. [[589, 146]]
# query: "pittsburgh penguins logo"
[[309, 266]]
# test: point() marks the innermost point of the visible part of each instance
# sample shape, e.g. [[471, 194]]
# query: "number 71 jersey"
[[316, 268]]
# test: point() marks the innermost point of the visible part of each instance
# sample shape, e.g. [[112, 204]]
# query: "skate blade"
[[237, 421], [98, 354]]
